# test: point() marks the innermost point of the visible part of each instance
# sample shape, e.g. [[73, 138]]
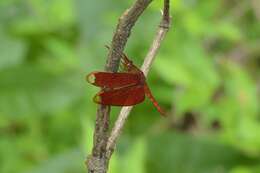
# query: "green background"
[[206, 76]]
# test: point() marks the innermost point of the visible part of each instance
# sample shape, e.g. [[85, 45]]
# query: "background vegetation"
[[206, 76]]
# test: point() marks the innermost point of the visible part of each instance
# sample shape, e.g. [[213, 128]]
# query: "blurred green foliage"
[[206, 75]]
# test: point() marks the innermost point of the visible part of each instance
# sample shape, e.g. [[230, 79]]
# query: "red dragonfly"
[[125, 88]]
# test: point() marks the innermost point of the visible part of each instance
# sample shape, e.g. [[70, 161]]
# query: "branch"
[[125, 24], [125, 111], [97, 161]]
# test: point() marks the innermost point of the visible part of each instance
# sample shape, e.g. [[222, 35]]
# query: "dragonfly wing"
[[113, 80], [126, 96]]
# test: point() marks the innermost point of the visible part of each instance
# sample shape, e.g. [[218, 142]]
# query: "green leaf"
[[173, 152], [12, 50], [30, 89]]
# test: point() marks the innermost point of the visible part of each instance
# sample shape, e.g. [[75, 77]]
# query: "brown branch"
[[104, 146], [125, 24], [97, 161], [125, 111]]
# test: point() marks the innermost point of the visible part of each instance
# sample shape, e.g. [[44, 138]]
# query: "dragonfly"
[[126, 88]]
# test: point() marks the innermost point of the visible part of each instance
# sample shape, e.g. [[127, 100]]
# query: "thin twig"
[[97, 162], [125, 111], [125, 24]]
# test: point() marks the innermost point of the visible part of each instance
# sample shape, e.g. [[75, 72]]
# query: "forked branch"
[[125, 111], [104, 143]]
